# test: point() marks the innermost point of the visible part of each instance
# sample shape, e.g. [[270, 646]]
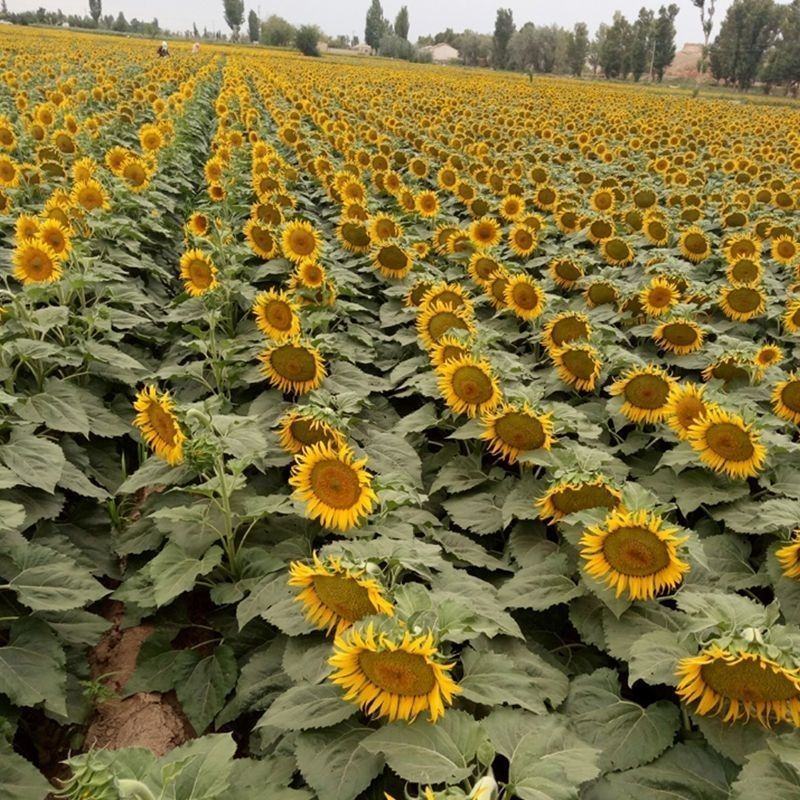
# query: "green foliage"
[[253, 26], [401, 23], [503, 30], [307, 40], [377, 26], [277, 32]]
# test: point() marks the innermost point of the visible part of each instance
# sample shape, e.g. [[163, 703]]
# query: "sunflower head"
[[524, 296], [569, 326], [742, 303], [565, 272], [680, 336], [789, 556], [786, 399], [293, 366], [437, 320], [198, 273], [727, 444], [300, 242], [578, 365], [513, 430], [567, 497], [685, 406], [158, 423], [392, 261], [299, 429], [34, 262], [522, 240], [277, 315], [658, 297], [468, 386], [644, 392]]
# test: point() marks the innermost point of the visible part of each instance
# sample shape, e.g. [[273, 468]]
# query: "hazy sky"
[[427, 16]]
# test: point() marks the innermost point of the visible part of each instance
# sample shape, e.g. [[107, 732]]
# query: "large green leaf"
[[19, 779], [308, 706], [203, 683], [35, 461]]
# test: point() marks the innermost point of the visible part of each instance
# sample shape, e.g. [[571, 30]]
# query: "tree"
[[614, 53], [596, 47], [277, 32], [503, 31], [195, 33], [307, 40], [376, 25], [782, 63], [95, 9], [663, 51], [641, 43], [401, 23], [234, 16], [707, 22], [474, 48], [253, 25], [120, 23], [577, 48]]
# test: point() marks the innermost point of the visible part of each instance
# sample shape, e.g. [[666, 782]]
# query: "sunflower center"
[[293, 363], [680, 334], [448, 298], [279, 315], [786, 249], [472, 385], [729, 441], [570, 500], [579, 363], [657, 231], [335, 484], [748, 680], [688, 410], [398, 672], [569, 329], [637, 551], [393, 258], [602, 293], [520, 430], [567, 271], [200, 273], [39, 265], [355, 234], [744, 270], [346, 596], [484, 267], [695, 243], [601, 229], [790, 395], [262, 238], [744, 299], [162, 423], [302, 242], [308, 433], [525, 296], [498, 288], [659, 296], [523, 239], [312, 274], [444, 321], [647, 391], [617, 249], [451, 352]]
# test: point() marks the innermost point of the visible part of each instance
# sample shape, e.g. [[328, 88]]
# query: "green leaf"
[[763, 516], [154, 472], [200, 769], [490, 679], [334, 762], [59, 407], [19, 778], [32, 667], [460, 474], [174, 571], [308, 706], [735, 742], [689, 771], [765, 775], [203, 683], [628, 734], [477, 511], [12, 516], [655, 656], [425, 753], [36, 462], [541, 586], [155, 665], [74, 480]]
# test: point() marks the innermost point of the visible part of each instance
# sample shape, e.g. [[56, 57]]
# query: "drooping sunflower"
[[785, 250], [354, 236], [158, 424], [600, 293], [198, 273], [645, 392], [335, 596], [569, 326], [35, 262], [658, 297], [397, 676], [578, 365], [789, 556], [656, 230], [277, 315], [469, 386], [694, 245], [435, 321], [300, 241], [293, 366], [565, 272], [680, 336], [522, 240], [514, 429], [616, 251], [685, 407], [742, 303], [449, 348], [260, 239], [392, 261], [566, 498], [634, 553], [298, 430], [727, 444], [334, 485], [524, 296], [740, 684], [786, 399], [731, 370]]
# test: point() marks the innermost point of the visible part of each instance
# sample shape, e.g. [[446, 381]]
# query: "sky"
[[347, 16]]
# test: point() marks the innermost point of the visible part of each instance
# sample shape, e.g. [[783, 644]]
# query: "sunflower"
[[136, 172], [298, 430], [90, 195], [785, 250], [768, 355], [354, 236], [384, 228], [741, 303], [398, 675], [484, 233], [680, 336], [449, 348], [9, 172], [645, 392], [309, 275], [198, 273], [392, 261], [260, 239], [635, 553], [198, 224], [26, 227], [565, 272], [35, 262], [414, 296], [600, 293], [741, 684], [513, 430], [658, 297], [300, 242], [524, 297], [482, 268], [616, 251], [512, 207], [427, 204], [727, 444], [277, 315], [744, 271], [446, 294], [335, 596], [522, 240], [335, 486], [694, 245], [786, 399], [293, 366], [495, 289], [566, 498], [435, 321], [685, 407], [656, 230], [468, 386], [791, 317], [158, 424], [578, 365], [599, 230], [789, 556], [55, 236], [569, 326]]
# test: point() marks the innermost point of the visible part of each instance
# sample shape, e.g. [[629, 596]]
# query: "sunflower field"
[[416, 432]]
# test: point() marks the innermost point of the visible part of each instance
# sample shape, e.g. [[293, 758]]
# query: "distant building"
[[362, 48], [441, 53], [686, 62]]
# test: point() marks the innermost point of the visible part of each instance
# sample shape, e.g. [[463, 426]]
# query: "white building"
[[441, 53]]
